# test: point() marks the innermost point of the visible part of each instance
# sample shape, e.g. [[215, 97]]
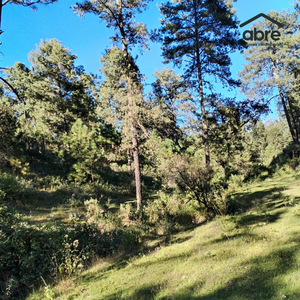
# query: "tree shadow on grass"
[[146, 292], [246, 236], [262, 280], [243, 201], [252, 219], [179, 240]]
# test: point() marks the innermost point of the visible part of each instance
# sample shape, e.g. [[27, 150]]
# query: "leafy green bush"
[[290, 156], [169, 213], [49, 181], [204, 185], [10, 188], [257, 170], [235, 182], [24, 251], [30, 251]]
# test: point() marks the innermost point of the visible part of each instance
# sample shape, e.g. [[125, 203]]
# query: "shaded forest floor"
[[251, 255]]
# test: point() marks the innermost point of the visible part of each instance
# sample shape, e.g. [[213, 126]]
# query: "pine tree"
[[52, 95], [119, 107], [200, 34], [170, 102], [30, 3], [8, 128], [88, 149], [120, 15], [271, 72]]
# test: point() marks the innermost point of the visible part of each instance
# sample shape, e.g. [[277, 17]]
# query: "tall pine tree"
[[52, 95], [120, 15], [272, 69], [200, 34]]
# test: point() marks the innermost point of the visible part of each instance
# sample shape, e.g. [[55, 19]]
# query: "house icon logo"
[[258, 35]]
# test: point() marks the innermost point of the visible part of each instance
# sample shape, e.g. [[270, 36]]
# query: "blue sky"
[[88, 37]]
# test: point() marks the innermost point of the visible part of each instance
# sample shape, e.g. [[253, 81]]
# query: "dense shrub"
[[256, 171], [170, 213], [10, 188], [205, 185], [28, 252], [289, 156]]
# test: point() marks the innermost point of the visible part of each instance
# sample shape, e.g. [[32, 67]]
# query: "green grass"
[[252, 255]]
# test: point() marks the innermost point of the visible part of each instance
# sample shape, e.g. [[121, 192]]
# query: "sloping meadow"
[[251, 255]]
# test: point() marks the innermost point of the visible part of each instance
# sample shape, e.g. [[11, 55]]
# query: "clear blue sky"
[[88, 37]]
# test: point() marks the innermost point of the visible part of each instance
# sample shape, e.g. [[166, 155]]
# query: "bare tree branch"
[[28, 2], [12, 88]]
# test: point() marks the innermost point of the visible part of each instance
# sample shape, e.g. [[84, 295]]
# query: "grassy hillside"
[[251, 255]]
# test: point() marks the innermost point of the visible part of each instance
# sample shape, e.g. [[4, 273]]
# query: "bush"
[[204, 185], [170, 213], [257, 170], [10, 188], [290, 156], [25, 251], [30, 251], [234, 183]]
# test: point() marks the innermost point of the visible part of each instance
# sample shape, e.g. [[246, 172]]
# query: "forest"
[[98, 171]]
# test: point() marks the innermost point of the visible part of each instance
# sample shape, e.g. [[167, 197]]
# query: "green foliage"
[[256, 171], [230, 257], [19, 165], [72, 259], [235, 182], [121, 17], [30, 251], [25, 251], [49, 294], [190, 40], [161, 155], [72, 140], [277, 137], [8, 128], [290, 157], [187, 32], [86, 149], [227, 131], [171, 102], [54, 94], [278, 78], [202, 184], [94, 210], [170, 213], [10, 188]]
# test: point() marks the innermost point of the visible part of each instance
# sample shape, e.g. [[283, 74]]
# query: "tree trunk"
[[284, 104], [287, 115], [204, 120], [294, 121], [43, 145], [137, 171], [131, 104], [201, 95], [129, 160]]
